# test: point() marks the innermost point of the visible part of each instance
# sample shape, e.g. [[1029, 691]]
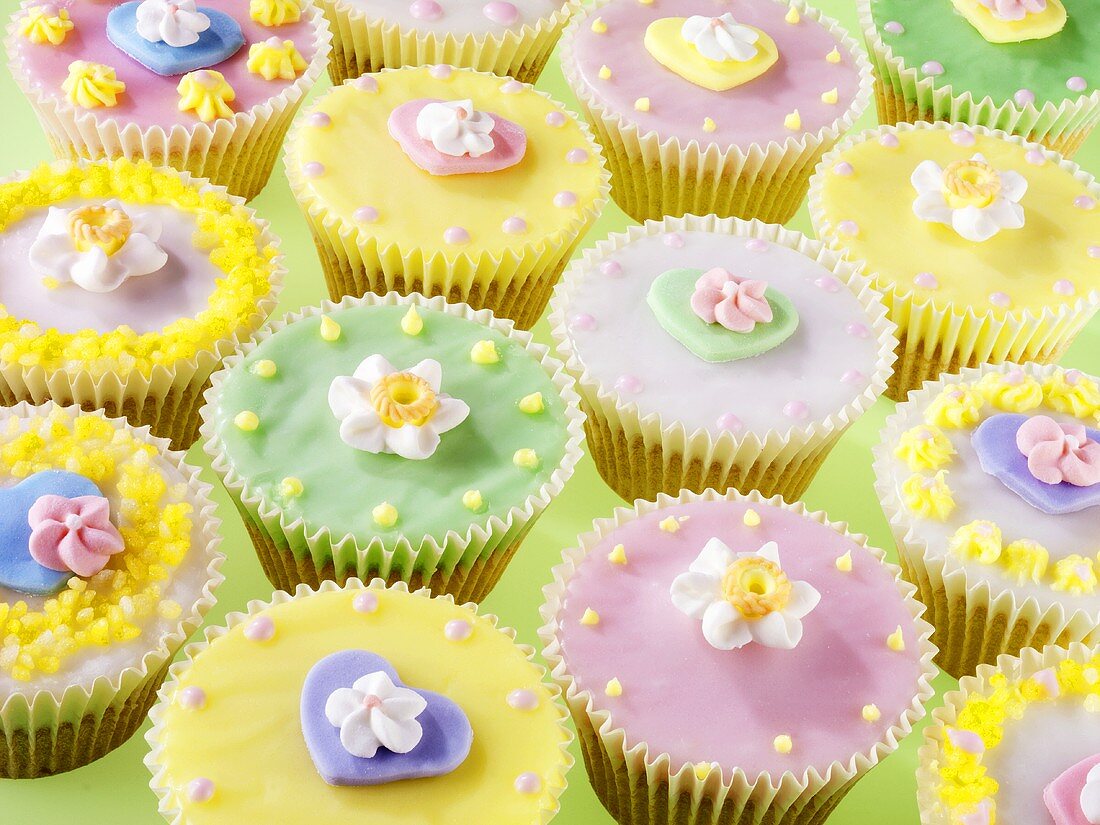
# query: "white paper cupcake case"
[[639, 787], [238, 153], [976, 620], [45, 732], [161, 781], [640, 455], [466, 566]]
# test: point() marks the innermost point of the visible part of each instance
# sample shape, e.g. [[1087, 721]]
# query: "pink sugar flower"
[[1014, 9], [1059, 452], [738, 304], [73, 534]]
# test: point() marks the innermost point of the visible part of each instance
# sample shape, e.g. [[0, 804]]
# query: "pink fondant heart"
[[1063, 795], [509, 144]]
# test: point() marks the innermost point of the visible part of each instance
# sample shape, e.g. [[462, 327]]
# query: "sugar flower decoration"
[[73, 533], [46, 24], [274, 12], [738, 304], [970, 196], [176, 23], [456, 128], [91, 85], [720, 38], [744, 597], [98, 247], [375, 713], [207, 93], [1059, 452], [383, 410], [1014, 9], [1090, 796], [275, 59]]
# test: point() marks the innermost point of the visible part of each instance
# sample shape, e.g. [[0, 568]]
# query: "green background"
[[115, 789]]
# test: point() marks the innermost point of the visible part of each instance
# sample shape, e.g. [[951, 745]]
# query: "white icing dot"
[[926, 280], [1024, 97], [729, 421], [365, 214], [1000, 299], [889, 140], [425, 10], [630, 384], [1077, 84], [577, 156], [440, 72], [456, 235], [1064, 287], [365, 602], [200, 789], [933, 68], [514, 226], [313, 169], [555, 119], [523, 699], [365, 83], [828, 283], [259, 629], [756, 245], [457, 630], [894, 27], [674, 240], [612, 269], [584, 322], [1035, 157], [844, 169]]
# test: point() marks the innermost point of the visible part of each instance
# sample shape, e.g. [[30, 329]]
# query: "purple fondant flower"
[[73, 533], [1014, 9], [738, 304], [1059, 452]]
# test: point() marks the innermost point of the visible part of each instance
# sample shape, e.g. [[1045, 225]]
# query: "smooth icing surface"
[[292, 407], [456, 17], [753, 112], [625, 338], [936, 32], [870, 207], [417, 209], [686, 698], [150, 99], [247, 737]]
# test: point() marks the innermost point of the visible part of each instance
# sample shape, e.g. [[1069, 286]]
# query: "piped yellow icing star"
[[330, 330], [246, 421], [275, 59], [1026, 561], [590, 618], [614, 688], [956, 406], [793, 121], [871, 713], [532, 404], [92, 85], [45, 24], [1073, 392], [526, 458], [412, 323], [783, 744], [484, 352], [978, 540], [384, 515], [274, 12], [833, 56], [1014, 392], [265, 368], [831, 97], [844, 563], [291, 487], [473, 501], [928, 497], [617, 554], [206, 93], [924, 448], [1074, 574]]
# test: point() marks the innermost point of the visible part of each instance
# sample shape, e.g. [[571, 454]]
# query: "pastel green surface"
[[935, 31], [342, 484], [115, 789]]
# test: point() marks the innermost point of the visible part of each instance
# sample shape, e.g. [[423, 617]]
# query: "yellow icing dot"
[[605, 73], [51, 283], [291, 487], [833, 56], [598, 26], [669, 525], [1026, 560], [1072, 392], [924, 448], [896, 640], [590, 617], [617, 554], [92, 85], [709, 125], [384, 515], [978, 540], [412, 323], [531, 404], [246, 421], [526, 458], [472, 500], [264, 369], [45, 24], [871, 713], [206, 93], [956, 406], [831, 97], [641, 104], [330, 330], [274, 12], [275, 59], [1019, 397], [793, 16], [928, 497], [783, 744], [793, 121], [614, 688], [702, 770], [844, 563], [1074, 574], [485, 352], [751, 518]]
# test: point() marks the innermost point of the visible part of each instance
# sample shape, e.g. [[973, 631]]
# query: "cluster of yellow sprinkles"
[[225, 229], [155, 522], [965, 782]]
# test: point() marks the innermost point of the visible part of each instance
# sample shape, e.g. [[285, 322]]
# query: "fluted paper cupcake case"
[[46, 732], [640, 455], [515, 284], [361, 46], [169, 398], [652, 178], [465, 566], [1028, 663], [975, 622], [937, 337], [166, 794], [904, 95], [238, 153], [639, 787]]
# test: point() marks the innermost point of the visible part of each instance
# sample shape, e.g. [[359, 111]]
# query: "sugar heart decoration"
[[217, 44], [446, 741], [666, 44], [509, 144], [1073, 798]]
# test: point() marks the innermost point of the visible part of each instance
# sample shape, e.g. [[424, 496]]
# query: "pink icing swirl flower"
[[1059, 452], [738, 304], [1014, 9], [73, 533]]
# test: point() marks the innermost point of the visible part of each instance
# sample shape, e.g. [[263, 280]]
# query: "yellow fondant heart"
[[1048, 22], [664, 42]]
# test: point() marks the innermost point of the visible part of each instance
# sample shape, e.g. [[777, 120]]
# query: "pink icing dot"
[[565, 199], [583, 321], [365, 214], [1077, 84], [1094, 251], [577, 156], [555, 119], [1014, 378], [1035, 157], [1024, 97], [523, 700], [889, 140], [313, 169], [514, 226], [850, 228], [629, 383], [365, 83], [612, 269], [528, 783], [200, 789], [828, 283], [932, 67], [426, 10], [844, 169], [259, 629], [503, 14], [674, 240], [1084, 202], [319, 119], [894, 27], [756, 245], [193, 698], [457, 630], [853, 377], [1000, 299], [797, 410], [365, 602], [440, 72], [1064, 287], [857, 330], [729, 421], [512, 87], [456, 235], [926, 280], [961, 137], [1072, 376]]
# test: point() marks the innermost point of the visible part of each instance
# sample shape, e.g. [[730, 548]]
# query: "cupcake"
[[991, 483], [453, 430], [488, 187], [1027, 67], [122, 286], [209, 89], [359, 704], [677, 623], [701, 114], [715, 353], [985, 247], [109, 563], [1016, 744], [512, 39]]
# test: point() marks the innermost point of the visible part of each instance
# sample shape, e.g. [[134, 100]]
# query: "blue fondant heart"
[[218, 43], [994, 442], [444, 746], [18, 570]]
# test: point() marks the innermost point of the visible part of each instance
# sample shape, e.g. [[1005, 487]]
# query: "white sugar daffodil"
[[970, 196]]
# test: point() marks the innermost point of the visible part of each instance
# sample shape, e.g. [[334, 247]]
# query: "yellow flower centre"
[[403, 398], [970, 183], [756, 587], [101, 226]]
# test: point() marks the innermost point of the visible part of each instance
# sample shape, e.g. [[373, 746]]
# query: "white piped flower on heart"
[[384, 410], [721, 38], [375, 713], [1090, 796], [456, 128], [97, 246], [744, 597], [175, 22], [970, 196]]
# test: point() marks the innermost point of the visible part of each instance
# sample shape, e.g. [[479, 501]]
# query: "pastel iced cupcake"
[[718, 353], [508, 39], [209, 89], [675, 623], [360, 703], [123, 286], [704, 109], [1017, 743], [489, 186], [1023, 66], [454, 430], [108, 564], [991, 482], [986, 248]]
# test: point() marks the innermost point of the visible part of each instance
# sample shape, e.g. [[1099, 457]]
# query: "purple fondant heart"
[[994, 442], [444, 746], [1063, 796], [509, 144]]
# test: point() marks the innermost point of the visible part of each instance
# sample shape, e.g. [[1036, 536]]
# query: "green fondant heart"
[[670, 300]]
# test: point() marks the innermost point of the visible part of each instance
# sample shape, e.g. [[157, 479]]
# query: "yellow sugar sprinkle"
[[617, 554], [330, 330], [871, 713], [169, 610], [641, 104], [526, 458], [472, 500], [793, 121], [751, 518], [605, 73], [782, 744], [844, 563], [246, 421], [598, 26], [614, 688], [833, 56], [50, 283], [532, 404], [793, 16], [709, 125], [669, 525], [384, 515], [412, 323], [831, 96], [291, 487], [896, 640], [265, 369], [485, 352], [590, 617]]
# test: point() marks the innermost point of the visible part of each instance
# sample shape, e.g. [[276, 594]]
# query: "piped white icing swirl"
[[456, 128], [374, 713], [720, 38], [175, 22]]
